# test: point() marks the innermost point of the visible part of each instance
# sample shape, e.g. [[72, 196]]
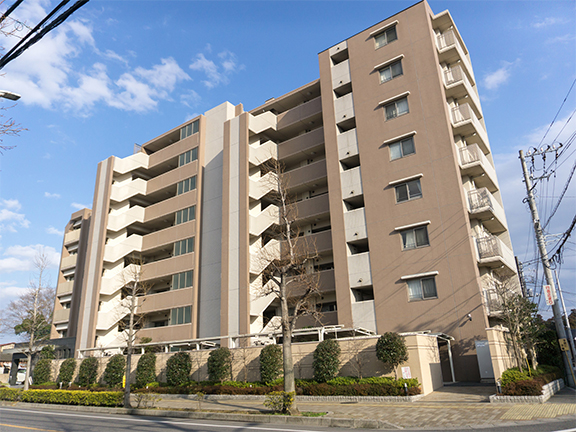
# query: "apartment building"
[[392, 171]]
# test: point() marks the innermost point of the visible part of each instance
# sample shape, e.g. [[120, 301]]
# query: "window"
[[185, 215], [391, 71], [402, 148], [187, 157], [396, 108], [182, 280], [184, 246], [421, 289], [408, 191], [189, 129], [180, 315], [186, 185], [386, 37], [415, 238]]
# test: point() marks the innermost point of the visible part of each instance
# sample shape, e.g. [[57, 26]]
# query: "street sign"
[[406, 374], [548, 295]]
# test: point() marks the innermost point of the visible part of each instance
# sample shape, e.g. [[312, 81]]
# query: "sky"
[[120, 73]]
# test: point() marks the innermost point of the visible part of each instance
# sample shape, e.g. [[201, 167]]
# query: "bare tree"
[[288, 272], [518, 314], [30, 316], [133, 291]]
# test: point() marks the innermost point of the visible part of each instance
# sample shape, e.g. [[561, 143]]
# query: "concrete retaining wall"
[[548, 391], [358, 358]]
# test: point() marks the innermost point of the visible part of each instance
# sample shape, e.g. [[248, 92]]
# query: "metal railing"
[[479, 199]]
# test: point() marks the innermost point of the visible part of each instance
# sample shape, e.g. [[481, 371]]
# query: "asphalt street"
[[14, 419]]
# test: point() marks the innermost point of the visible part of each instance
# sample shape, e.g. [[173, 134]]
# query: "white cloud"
[[561, 39], [51, 195], [546, 22], [52, 230], [534, 137], [495, 79], [21, 258], [79, 206], [9, 291], [190, 98], [10, 219], [215, 77], [47, 74]]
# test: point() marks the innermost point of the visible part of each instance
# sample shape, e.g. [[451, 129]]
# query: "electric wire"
[[561, 196], [557, 113]]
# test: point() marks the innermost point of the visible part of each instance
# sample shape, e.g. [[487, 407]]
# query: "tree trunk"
[[28, 370], [289, 384], [127, 403]]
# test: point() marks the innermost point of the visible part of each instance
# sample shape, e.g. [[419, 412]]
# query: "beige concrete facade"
[[392, 173]]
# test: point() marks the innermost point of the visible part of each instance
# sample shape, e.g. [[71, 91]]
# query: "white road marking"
[[165, 421]]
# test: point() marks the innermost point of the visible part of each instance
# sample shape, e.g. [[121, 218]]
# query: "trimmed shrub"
[[88, 371], [67, 369], [512, 375], [178, 369], [391, 350], [10, 394], [68, 397], [146, 369], [280, 401], [270, 363], [114, 372], [42, 372], [326, 360], [47, 352], [523, 388], [220, 364]]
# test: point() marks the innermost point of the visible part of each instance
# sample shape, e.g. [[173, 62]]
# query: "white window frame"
[[418, 278]]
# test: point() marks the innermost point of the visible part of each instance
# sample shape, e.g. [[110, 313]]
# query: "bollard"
[[406, 389]]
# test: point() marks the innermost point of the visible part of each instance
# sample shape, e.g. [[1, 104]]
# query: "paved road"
[[14, 419]]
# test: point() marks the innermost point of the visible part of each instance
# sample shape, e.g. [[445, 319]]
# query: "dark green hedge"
[[42, 372], [326, 360], [67, 369], [63, 397], [114, 372], [271, 363], [88, 371], [178, 369], [146, 369]]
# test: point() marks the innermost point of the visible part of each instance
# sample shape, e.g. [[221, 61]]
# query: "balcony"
[[355, 225], [364, 314], [65, 288], [344, 108], [483, 206], [61, 316], [264, 220], [347, 144], [68, 262], [313, 207], [466, 124], [458, 86], [259, 153], [450, 50], [71, 237], [492, 302], [474, 164], [493, 253], [341, 74], [351, 181], [359, 272]]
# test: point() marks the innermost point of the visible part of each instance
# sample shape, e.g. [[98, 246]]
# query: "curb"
[[249, 418], [548, 391], [300, 398]]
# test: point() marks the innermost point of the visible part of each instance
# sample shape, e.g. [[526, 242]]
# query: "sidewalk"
[[449, 407]]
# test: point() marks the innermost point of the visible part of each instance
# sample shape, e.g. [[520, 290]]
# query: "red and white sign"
[[548, 295]]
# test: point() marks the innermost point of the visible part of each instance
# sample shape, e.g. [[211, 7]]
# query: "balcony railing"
[[458, 86], [492, 302], [466, 123], [474, 163], [448, 40], [491, 250], [484, 206]]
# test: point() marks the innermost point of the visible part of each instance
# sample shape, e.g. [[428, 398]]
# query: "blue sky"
[[123, 72]]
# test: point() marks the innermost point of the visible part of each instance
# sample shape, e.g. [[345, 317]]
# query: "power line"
[[561, 195], [559, 109]]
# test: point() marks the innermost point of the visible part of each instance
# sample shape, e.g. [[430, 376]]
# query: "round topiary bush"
[[42, 372], [88, 371], [220, 364], [47, 352], [178, 369], [270, 363], [391, 350], [67, 369], [326, 360], [146, 369], [115, 370]]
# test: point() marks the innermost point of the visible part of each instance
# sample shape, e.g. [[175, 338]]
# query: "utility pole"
[[560, 330]]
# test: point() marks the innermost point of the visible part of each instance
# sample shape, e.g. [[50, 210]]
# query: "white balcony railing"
[[492, 250], [465, 121], [459, 85], [448, 40]]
